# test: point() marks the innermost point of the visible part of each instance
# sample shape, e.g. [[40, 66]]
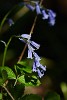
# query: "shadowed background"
[[53, 40]]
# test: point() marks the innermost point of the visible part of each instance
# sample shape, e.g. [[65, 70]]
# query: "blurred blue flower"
[[52, 16], [45, 15], [37, 7], [39, 10], [10, 22], [30, 7]]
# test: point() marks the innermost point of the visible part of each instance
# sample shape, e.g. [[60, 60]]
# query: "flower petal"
[[35, 44], [42, 67], [39, 73], [10, 22], [45, 16], [52, 16], [34, 67], [52, 13], [36, 56], [30, 7], [37, 7], [27, 36], [30, 54]]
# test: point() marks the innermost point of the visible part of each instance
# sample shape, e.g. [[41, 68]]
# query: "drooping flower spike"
[[40, 10], [32, 46]]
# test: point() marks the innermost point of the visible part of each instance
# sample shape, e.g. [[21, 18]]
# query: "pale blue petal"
[[43, 67], [35, 44], [45, 16], [10, 22], [22, 40], [30, 54], [30, 7], [38, 11], [27, 36], [52, 16], [36, 56], [34, 67], [31, 48], [51, 22], [52, 13], [39, 73], [37, 62]]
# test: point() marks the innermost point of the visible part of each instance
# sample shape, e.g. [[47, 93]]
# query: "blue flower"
[[27, 36], [52, 16], [31, 48], [10, 22], [37, 7], [37, 67], [39, 73], [30, 51], [30, 7], [31, 44], [39, 10], [35, 44], [45, 15]]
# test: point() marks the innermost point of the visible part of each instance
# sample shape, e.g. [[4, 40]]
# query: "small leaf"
[[31, 97], [23, 66], [9, 71], [52, 96]]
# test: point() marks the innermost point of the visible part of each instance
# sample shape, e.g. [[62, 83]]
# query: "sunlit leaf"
[[0, 96], [25, 67], [30, 81], [9, 71]]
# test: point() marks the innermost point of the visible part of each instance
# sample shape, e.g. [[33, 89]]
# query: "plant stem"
[[31, 32], [8, 92], [4, 56]]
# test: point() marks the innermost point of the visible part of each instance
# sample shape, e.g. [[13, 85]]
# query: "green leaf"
[[21, 79], [0, 96], [31, 97], [9, 71], [30, 82], [23, 66], [4, 75], [1, 81], [52, 96]]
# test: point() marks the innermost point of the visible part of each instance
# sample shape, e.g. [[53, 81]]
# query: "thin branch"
[[8, 92]]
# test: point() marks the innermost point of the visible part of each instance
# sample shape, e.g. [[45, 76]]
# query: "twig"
[[31, 32], [8, 92]]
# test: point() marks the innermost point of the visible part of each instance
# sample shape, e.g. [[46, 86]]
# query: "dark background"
[[53, 40]]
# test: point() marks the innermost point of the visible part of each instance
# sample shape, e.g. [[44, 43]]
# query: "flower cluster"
[[32, 46], [46, 13]]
